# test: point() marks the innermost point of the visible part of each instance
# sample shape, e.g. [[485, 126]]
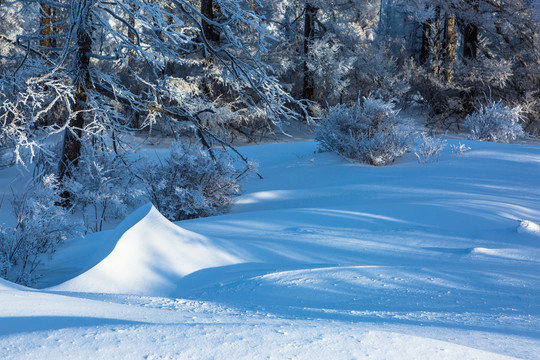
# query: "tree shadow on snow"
[[25, 324]]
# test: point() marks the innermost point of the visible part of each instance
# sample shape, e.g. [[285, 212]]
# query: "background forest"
[[84, 82]]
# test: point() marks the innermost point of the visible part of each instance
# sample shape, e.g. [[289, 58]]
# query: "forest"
[[84, 82]]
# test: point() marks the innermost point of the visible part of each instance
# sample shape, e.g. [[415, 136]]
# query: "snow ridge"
[[150, 257]]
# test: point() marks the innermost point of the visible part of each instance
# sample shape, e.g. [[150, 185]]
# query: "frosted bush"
[[190, 183], [428, 149], [370, 132], [496, 122], [42, 223], [459, 149], [102, 187]]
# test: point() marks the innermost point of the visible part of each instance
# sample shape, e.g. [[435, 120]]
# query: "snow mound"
[[8, 285], [150, 258], [529, 228]]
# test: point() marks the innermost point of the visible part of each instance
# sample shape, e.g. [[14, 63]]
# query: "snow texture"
[[323, 259], [528, 227]]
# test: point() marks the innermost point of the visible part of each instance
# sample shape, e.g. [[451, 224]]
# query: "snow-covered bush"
[[427, 149], [370, 132], [459, 149], [41, 224], [190, 183], [496, 122], [102, 187]]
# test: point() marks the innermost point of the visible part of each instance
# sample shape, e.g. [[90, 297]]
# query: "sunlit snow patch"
[[513, 254], [529, 228], [150, 258]]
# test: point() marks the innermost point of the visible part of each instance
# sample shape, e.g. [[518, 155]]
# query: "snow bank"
[[8, 285], [323, 259], [529, 228], [150, 257]]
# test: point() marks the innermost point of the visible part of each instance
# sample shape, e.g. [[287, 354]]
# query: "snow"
[[131, 267], [7, 285], [322, 259], [529, 227]]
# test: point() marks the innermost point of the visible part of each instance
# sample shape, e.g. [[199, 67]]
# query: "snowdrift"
[[528, 228], [8, 285], [322, 259], [150, 257]]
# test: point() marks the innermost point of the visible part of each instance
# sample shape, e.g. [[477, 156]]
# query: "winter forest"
[[108, 105]]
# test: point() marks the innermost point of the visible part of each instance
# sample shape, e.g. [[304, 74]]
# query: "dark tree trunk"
[[72, 136], [211, 34], [470, 41], [132, 34], [45, 43], [207, 9], [470, 49], [426, 42], [309, 35]]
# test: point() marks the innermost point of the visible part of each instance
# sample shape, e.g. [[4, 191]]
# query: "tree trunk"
[[209, 31], [470, 41], [436, 46], [470, 50], [46, 27], [426, 42], [211, 34], [45, 43], [132, 34], [449, 46], [71, 151], [309, 35]]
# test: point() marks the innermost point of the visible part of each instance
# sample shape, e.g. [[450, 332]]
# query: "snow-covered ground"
[[322, 259]]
